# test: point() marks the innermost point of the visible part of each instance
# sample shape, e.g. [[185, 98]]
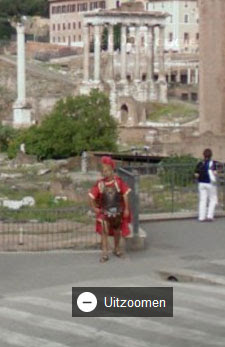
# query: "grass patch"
[[56, 67], [75, 214], [172, 112], [148, 182], [157, 196], [84, 185]]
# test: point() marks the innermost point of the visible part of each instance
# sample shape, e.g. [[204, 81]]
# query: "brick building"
[[182, 27], [66, 18]]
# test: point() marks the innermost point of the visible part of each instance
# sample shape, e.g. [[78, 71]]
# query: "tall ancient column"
[[150, 53], [188, 76], [111, 51], [178, 77], [21, 110], [86, 52], [137, 53], [162, 76], [21, 79], [212, 66], [153, 52], [97, 51], [196, 75], [161, 53], [123, 52]]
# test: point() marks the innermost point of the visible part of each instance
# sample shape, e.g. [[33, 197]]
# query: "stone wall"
[[212, 66], [168, 141], [32, 47], [184, 92], [39, 48]]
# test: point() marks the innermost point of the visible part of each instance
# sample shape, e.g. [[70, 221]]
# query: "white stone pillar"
[[21, 110], [21, 76], [162, 77], [110, 39], [178, 77], [86, 52], [161, 53], [123, 52], [111, 51], [196, 75], [188, 76], [137, 53], [150, 53], [97, 52], [145, 31], [153, 52]]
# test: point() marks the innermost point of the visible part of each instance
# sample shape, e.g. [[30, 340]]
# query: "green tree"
[[117, 36], [14, 9], [75, 124], [11, 8], [6, 30], [104, 40], [7, 133]]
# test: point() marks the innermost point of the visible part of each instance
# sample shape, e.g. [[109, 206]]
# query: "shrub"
[[75, 124], [7, 134]]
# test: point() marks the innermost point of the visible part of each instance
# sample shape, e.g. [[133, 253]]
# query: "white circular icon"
[[86, 302]]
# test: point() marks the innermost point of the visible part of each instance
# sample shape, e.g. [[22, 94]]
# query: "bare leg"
[[117, 238], [104, 256]]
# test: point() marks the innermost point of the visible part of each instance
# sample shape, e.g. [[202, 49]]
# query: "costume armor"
[[111, 206]]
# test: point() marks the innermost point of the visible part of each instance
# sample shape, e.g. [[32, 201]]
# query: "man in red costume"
[[109, 200]]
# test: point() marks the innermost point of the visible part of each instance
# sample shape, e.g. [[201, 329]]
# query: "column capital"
[[20, 28]]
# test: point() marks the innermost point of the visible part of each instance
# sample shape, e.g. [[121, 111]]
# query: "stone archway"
[[128, 111], [124, 113]]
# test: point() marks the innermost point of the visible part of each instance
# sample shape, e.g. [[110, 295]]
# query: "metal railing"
[[46, 229], [155, 188], [173, 188]]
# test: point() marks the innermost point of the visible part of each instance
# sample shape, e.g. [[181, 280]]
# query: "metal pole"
[[172, 190], [136, 205], [223, 184], [133, 179]]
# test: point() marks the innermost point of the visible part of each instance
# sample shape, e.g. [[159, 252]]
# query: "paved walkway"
[[185, 246], [35, 295]]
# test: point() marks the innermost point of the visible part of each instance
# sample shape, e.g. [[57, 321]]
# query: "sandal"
[[104, 258], [118, 254]]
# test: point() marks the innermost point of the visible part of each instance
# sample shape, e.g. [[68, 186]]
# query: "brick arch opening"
[[124, 111]]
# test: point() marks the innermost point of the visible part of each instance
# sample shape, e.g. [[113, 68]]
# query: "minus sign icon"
[[87, 302]]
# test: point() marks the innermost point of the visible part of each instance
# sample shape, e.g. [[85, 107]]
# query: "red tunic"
[[96, 194]]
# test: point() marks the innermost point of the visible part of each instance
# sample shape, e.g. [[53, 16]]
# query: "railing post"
[[136, 205], [21, 242], [132, 179], [172, 190], [223, 184]]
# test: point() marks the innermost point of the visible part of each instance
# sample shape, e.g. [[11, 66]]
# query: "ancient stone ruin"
[[129, 75]]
